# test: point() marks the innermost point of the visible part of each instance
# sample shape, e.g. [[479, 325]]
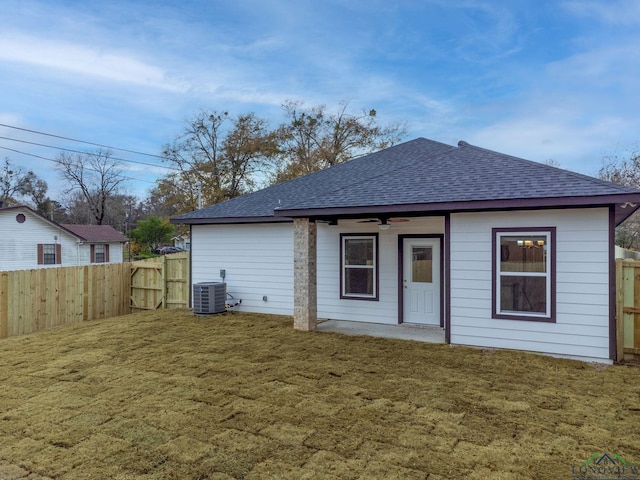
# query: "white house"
[[30, 240], [496, 250], [182, 241]]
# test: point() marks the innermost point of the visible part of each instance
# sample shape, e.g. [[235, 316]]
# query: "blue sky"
[[537, 79]]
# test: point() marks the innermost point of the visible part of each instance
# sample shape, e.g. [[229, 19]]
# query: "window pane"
[[358, 281], [421, 265], [523, 253], [99, 253], [523, 294], [49, 254], [358, 251]]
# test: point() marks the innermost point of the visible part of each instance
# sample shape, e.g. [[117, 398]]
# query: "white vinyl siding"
[[385, 309], [257, 259], [19, 243], [582, 284]]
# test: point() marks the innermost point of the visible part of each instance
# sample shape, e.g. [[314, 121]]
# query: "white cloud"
[[614, 12], [605, 66], [73, 58], [552, 134]]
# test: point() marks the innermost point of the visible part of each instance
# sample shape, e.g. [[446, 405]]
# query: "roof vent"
[[462, 143]]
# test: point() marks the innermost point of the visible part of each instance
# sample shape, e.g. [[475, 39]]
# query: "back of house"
[[497, 251]]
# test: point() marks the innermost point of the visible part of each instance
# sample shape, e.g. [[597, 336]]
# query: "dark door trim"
[[401, 239]]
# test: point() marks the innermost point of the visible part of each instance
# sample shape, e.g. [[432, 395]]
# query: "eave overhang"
[[229, 220], [625, 205]]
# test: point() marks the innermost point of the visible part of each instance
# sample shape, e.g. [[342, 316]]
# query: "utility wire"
[[81, 141], [81, 152], [59, 163]]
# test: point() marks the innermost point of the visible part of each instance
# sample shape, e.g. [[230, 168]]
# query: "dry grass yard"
[[169, 395]]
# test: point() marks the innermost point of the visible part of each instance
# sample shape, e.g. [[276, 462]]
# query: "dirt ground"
[[171, 395]]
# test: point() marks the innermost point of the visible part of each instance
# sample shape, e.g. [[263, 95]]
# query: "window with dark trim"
[[49, 254], [523, 271], [99, 253], [359, 266]]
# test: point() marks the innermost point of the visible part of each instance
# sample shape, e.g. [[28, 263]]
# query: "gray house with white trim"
[[498, 251]]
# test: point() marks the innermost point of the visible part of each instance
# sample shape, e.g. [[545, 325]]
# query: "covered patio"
[[402, 331]]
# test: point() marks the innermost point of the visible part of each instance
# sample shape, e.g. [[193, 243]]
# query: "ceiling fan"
[[383, 220], [383, 223]]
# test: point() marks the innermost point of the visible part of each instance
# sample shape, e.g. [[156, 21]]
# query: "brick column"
[[305, 294]]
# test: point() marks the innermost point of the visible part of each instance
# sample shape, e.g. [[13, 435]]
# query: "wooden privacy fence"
[[628, 309], [161, 282], [32, 300]]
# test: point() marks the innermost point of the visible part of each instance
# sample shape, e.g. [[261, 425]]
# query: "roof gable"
[[87, 233], [420, 176], [35, 215]]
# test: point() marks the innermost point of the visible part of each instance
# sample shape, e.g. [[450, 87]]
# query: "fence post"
[[619, 310], [4, 304], [164, 281]]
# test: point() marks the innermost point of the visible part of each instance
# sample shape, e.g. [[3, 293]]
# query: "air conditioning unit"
[[209, 297]]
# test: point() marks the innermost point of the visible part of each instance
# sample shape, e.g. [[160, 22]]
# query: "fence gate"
[[628, 309], [160, 282]]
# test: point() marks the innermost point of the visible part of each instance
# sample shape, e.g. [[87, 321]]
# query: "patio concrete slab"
[[404, 331]]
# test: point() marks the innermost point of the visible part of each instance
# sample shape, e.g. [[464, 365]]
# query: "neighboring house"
[[30, 240], [102, 243], [182, 241], [496, 250]]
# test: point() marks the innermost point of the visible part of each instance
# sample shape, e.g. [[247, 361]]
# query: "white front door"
[[421, 281]]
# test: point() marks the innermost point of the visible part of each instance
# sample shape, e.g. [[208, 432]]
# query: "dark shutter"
[[93, 253], [106, 253], [40, 254], [58, 254]]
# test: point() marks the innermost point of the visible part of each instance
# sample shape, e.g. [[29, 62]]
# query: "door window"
[[422, 264]]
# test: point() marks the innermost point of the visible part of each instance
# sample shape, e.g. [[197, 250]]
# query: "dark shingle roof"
[[418, 176], [96, 233]]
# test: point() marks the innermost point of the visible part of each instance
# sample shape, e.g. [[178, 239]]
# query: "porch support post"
[[305, 294]]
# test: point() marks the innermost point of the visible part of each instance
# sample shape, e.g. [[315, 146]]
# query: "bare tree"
[[625, 171], [96, 176], [220, 155], [313, 138]]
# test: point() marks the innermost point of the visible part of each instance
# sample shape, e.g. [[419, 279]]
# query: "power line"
[[81, 141], [59, 163], [81, 152]]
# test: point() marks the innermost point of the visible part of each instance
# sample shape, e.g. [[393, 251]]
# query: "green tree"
[[313, 139], [15, 182], [152, 232]]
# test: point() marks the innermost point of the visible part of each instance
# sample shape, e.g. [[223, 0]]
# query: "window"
[[524, 273], [99, 253], [359, 266], [49, 254]]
